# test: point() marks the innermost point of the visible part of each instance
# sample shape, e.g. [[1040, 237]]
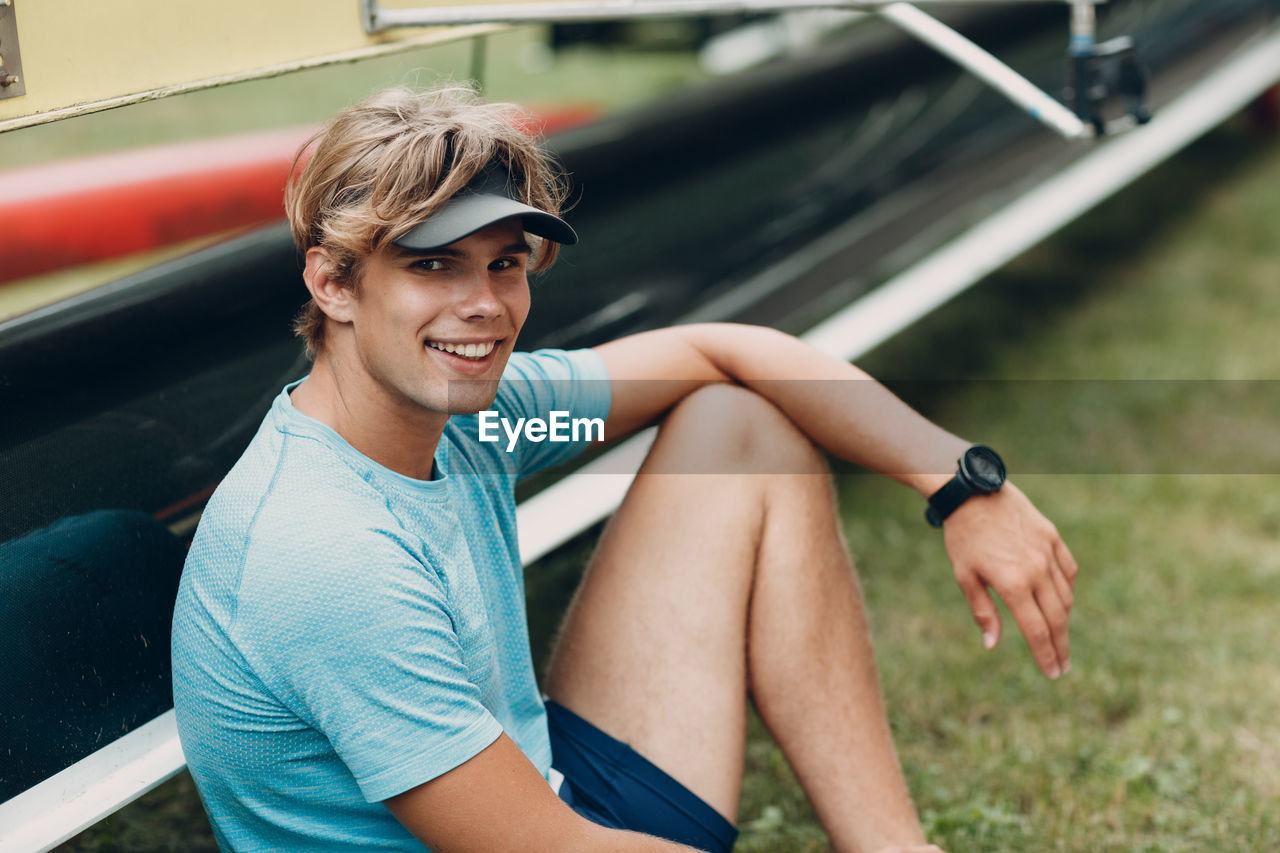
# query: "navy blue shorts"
[[611, 784]]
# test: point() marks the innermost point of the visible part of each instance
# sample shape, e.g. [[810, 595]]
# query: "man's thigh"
[[653, 648]]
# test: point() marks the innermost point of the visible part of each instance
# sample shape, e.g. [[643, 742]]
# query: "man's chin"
[[466, 397]]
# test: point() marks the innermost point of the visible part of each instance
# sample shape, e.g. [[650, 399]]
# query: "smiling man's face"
[[433, 329]]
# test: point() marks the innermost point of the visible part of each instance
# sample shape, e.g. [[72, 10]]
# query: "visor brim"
[[464, 215]]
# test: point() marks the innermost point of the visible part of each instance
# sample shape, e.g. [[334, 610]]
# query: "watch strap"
[[947, 499]]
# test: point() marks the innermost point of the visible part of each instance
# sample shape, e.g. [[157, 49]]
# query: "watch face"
[[984, 468]]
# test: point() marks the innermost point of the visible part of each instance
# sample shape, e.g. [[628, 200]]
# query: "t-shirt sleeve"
[[568, 390], [371, 659]]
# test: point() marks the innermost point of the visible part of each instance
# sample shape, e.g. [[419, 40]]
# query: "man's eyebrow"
[[520, 248]]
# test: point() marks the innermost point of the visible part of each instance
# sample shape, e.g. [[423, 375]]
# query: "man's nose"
[[479, 299]]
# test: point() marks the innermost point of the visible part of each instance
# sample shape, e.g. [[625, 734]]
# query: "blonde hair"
[[381, 167]]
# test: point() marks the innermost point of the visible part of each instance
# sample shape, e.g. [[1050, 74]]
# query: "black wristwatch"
[[979, 472]]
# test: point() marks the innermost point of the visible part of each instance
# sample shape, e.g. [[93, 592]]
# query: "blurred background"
[[770, 169]]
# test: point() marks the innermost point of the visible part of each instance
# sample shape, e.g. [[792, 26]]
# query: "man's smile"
[[473, 358], [473, 351]]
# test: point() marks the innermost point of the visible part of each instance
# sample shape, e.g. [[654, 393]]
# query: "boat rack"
[[923, 26]]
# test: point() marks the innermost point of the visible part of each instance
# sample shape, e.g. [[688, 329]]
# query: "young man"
[[351, 656]]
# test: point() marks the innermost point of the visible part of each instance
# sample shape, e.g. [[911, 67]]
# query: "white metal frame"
[[92, 788], [376, 19], [928, 29], [69, 802]]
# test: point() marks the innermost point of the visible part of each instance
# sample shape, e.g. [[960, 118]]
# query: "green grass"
[[1166, 734]]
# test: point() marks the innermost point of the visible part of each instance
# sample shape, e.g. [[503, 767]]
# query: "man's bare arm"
[[997, 541], [499, 801]]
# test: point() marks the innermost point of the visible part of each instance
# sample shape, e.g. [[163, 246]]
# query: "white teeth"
[[476, 351]]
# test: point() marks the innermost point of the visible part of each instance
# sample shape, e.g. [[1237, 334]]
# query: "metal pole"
[[1000, 76], [1084, 38], [1084, 27]]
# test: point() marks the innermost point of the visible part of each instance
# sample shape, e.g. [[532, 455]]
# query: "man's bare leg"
[[707, 586]]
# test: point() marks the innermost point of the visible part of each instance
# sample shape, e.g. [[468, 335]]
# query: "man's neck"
[[394, 433]]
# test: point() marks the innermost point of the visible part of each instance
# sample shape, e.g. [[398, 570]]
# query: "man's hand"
[[1002, 542]]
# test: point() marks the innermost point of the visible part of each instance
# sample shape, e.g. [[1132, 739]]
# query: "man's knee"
[[730, 429]]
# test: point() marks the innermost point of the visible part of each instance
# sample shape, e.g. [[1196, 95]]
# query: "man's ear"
[[335, 298]]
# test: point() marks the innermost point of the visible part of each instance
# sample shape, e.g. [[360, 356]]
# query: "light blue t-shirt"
[[344, 633]]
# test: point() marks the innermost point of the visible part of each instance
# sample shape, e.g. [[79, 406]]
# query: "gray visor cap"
[[469, 211]]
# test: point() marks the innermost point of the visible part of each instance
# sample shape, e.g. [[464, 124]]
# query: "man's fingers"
[[1066, 562], [1058, 577], [984, 611], [1035, 627], [1057, 614]]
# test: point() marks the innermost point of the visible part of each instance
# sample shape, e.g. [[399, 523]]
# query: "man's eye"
[[504, 264], [429, 264]]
